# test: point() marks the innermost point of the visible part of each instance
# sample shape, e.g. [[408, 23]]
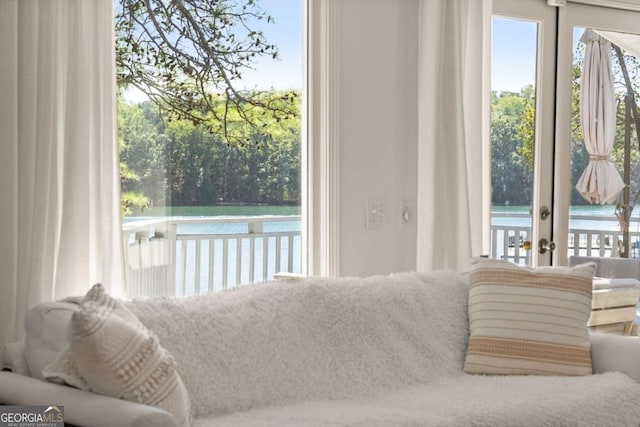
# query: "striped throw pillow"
[[529, 320]]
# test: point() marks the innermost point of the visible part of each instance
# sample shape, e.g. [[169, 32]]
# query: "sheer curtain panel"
[[59, 175], [452, 176]]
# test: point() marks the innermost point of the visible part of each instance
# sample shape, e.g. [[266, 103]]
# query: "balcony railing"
[[507, 240], [178, 256]]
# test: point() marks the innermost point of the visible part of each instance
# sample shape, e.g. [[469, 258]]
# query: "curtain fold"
[[59, 172], [451, 158]]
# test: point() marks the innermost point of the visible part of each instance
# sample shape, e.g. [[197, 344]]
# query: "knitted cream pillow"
[[117, 356], [529, 320]]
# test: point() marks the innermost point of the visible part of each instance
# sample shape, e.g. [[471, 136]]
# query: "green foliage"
[[188, 57], [177, 163], [513, 136], [133, 203], [526, 128], [632, 66], [511, 177], [513, 145], [200, 139]]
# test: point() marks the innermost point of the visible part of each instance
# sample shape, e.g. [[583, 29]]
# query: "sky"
[[513, 61], [513, 53], [286, 33]]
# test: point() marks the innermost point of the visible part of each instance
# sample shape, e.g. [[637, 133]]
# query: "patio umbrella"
[[630, 43], [600, 182]]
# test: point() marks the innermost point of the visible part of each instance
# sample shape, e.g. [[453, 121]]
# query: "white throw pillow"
[[117, 356], [63, 370], [14, 359], [46, 327]]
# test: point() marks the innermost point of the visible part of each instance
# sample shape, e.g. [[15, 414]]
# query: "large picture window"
[[210, 135]]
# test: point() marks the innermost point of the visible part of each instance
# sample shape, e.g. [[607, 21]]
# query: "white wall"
[[378, 78]]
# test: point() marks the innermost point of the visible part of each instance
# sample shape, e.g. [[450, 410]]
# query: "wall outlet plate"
[[376, 212]]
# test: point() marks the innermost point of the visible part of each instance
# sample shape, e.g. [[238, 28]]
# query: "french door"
[[538, 152], [596, 230], [523, 64]]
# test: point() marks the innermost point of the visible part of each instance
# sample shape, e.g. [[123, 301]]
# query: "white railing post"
[[256, 227], [170, 276]]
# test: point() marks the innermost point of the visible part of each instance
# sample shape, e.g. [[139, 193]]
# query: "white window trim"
[[616, 4], [321, 151]]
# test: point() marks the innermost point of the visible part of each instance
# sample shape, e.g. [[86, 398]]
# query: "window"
[[513, 105], [211, 141]]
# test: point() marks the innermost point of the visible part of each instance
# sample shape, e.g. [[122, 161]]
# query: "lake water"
[[605, 214], [500, 217], [223, 211]]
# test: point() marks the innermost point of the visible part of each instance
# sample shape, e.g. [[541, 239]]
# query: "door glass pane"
[[513, 92], [604, 220]]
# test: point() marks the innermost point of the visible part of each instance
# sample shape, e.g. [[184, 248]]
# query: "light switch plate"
[[407, 214], [376, 213]]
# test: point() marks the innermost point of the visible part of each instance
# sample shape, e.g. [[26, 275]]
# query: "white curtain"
[[452, 177], [600, 182], [59, 178]]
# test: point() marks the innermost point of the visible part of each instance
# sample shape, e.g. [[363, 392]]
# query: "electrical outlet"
[[375, 213]]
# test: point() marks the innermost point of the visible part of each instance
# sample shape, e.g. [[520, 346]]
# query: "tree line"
[[170, 161], [513, 136]]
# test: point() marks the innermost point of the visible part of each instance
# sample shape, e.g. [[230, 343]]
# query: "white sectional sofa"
[[377, 351], [611, 267]]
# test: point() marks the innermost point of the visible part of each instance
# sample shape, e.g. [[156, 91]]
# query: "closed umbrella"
[[630, 43], [600, 182]]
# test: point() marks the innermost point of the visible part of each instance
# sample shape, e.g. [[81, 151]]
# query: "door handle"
[[545, 245]]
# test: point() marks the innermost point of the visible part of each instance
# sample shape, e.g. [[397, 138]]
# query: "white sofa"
[[610, 267], [378, 351]]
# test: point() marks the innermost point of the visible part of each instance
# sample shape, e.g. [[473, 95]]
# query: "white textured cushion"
[[529, 320], [46, 327], [14, 358], [615, 353], [317, 338], [119, 357]]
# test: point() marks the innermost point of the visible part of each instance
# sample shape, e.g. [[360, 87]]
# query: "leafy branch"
[[188, 57]]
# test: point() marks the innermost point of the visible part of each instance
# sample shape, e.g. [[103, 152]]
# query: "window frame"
[[320, 123]]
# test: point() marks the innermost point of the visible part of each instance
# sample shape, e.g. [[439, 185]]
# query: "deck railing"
[[507, 241], [179, 256]]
